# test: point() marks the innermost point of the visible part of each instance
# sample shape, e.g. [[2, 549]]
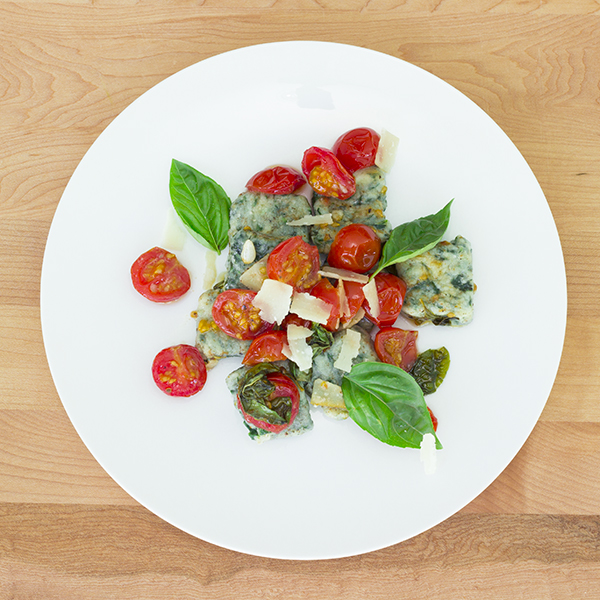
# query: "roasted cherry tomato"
[[354, 297], [326, 174], [296, 263], [433, 419], [328, 293], [357, 148], [276, 180], [267, 347], [397, 347], [391, 291], [159, 276], [235, 314], [356, 247], [179, 370], [293, 319], [268, 399]]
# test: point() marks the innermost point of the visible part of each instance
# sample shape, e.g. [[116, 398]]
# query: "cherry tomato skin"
[[276, 180], [397, 347], [433, 419], [355, 298], [159, 276], [179, 370], [357, 148], [293, 319], [326, 174], [328, 293], [284, 387], [267, 347], [296, 263], [391, 291], [356, 247], [235, 314]]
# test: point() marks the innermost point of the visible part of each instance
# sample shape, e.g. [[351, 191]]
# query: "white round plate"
[[335, 491]]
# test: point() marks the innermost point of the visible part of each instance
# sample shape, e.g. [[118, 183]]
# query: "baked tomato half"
[[234, 314], [267, 347], [326, 174], [159, 276], [397, 347], [357, 148], [325, 291], [276, 180], [391, 291], [296, 263], [356, 247], [268, 398], [179, 370]]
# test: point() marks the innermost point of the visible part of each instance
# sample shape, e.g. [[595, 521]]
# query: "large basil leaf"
[[414, 238], [387, 403], [202, 205]]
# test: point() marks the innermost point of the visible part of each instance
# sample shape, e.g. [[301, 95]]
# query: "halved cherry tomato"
[[391, 291], [357, 148], [276, 180], [397, 347], [356, 247], [326, 174], [296, 263], [159, 276], [267, 347], [293, 319], [354, 297], [328, 293], [286, 409], [179, 370], [433, 419], [235, 314]]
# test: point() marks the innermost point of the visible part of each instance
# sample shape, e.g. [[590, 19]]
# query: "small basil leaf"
[[202, 205], [414, 238], [430, 369], [388, 403]]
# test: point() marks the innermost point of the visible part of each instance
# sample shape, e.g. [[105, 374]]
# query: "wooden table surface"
[[67, 69]]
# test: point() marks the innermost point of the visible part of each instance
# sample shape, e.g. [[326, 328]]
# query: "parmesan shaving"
[[343, 274], [310, 308], [174, 235], [254, 277], [273, 300], [356, 319], [428, 454], [386, 151], [370, 292], [349, 351], [297, 349], [344, 305], [324, 219], [327, 394], [210, 269]]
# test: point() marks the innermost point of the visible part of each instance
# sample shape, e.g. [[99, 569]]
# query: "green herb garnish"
[[430, 369], [201, 204]]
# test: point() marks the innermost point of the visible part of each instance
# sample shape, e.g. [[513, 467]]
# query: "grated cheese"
[[310, 308], [297, 349], [324, 219], [370, 292], [349, 350], [428, 454], [273, 299], [386, 151]]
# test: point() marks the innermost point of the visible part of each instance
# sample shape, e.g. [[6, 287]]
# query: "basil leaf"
[[414, 238], [202, 205], [387, 403]]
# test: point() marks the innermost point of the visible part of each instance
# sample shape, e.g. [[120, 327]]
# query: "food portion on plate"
[[316, 279]]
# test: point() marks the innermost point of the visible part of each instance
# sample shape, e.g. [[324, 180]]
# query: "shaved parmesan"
[[327, 394], [324, 219], [273, 300], [370, 292], [386, 151], [310, 308], [174, 234], [343, 274], [349, 350], [253, 277], [356, 319], [297, 348], [210, 271], [428, 454], [344, 305]]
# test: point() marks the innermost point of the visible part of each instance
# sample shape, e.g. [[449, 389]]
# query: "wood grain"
[[67, 69]]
